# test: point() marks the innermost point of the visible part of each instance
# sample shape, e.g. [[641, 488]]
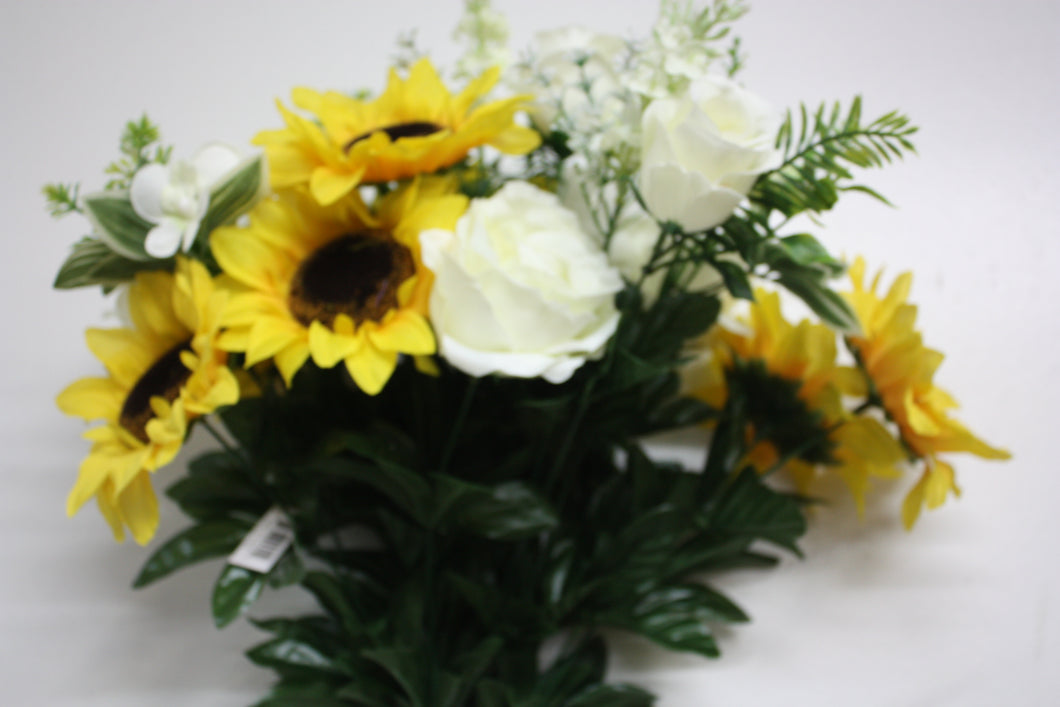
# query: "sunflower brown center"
[[164, 378], [357, 274], [418, 128]]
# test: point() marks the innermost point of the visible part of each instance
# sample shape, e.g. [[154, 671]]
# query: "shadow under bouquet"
[[432, 329]]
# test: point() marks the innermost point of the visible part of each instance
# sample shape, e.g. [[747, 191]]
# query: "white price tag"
[[265, 544]]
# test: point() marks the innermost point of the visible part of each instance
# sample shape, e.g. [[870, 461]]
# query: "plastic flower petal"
[[789, 375], [175, 197], [416, 126], [901, 370], [335, 284], [163, 373]]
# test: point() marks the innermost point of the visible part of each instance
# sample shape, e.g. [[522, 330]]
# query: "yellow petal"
[[913, 502], [328, 185], [123, 352], [291, 359], [328, 348], [940, 482], [108, 507], [139, 508], [371, 368], [517, 140], [93, 399], [404, 332], [270, 336]]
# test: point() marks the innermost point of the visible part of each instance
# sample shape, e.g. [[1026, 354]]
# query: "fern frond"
[[820, 151]]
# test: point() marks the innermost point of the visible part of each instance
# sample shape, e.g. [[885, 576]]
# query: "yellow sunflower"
[[415, 127], [335, 283], [163, 372], [789, 375], [899, 370]]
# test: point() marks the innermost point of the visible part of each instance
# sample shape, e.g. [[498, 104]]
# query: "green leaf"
[[678, 617], [736, 280], [508, 511], [305, 647], [819, 156], [673, 320], [826, 303], [612, 696], [409, 491], [749, 508], [584, 665], [301, 693], [473, 664], [117, 224], [805, 250], [406, 667], [199, 542], [355, 603], [493, 693], [678, 413], [234, 593], [289, 570], [233, 196], [215, 487], [91, 262]]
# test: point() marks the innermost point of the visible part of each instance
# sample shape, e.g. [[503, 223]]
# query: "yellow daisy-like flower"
[[163, 373], [415, 127], [790, 375], [335, 283], [901, 371]]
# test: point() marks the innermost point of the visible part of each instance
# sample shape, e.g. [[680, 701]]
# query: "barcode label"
[[265, 544]]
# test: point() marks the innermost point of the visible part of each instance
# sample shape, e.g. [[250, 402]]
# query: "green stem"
[[458, 425]]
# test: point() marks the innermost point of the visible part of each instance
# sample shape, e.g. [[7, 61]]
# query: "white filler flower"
[[520, 288], [702, 153], [175, 197]]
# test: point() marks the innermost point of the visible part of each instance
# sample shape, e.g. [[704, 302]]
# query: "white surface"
[[962, 612]]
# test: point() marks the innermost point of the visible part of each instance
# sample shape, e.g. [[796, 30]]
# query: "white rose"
[[635, 232], [702, 153], [520, 289]]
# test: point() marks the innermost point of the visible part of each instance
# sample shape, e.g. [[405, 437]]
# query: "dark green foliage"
[[820, 150], [453, 526]]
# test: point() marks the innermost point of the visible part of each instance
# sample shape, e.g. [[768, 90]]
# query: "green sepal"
[[117, 224], [204, 541], [234, 593]]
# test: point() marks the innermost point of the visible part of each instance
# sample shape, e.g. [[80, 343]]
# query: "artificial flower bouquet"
[[431, 329]]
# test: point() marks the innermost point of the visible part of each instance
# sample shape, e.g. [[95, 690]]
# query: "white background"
[[963, 611]]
